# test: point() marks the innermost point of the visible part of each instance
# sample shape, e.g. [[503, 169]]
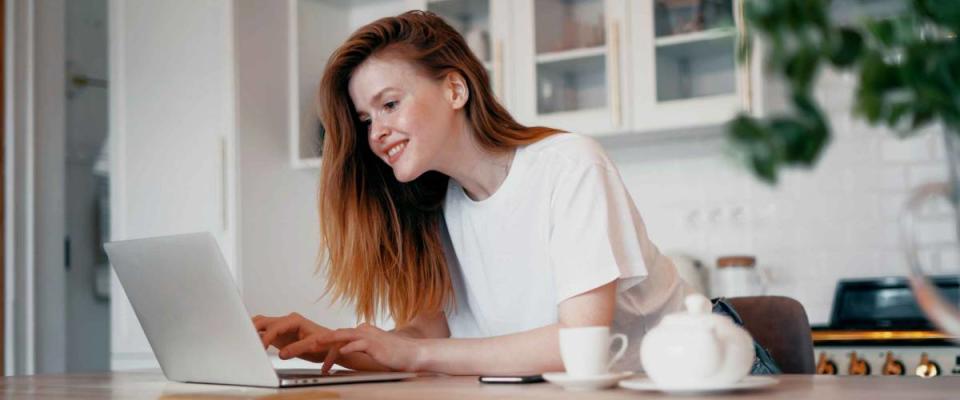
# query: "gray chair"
[[780, 325]]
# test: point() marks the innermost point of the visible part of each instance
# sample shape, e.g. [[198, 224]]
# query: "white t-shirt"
[[561, 223]]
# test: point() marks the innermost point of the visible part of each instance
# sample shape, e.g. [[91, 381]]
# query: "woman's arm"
[[535, 350], [426, 326], [531, 351]]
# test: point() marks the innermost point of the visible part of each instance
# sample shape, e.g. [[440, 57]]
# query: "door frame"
[[3, 174], [19, 32], [33, 235]]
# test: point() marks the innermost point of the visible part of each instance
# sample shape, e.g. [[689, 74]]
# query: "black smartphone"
[[512, 379]]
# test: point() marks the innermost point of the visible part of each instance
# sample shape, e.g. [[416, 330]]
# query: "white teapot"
[[696, 348]]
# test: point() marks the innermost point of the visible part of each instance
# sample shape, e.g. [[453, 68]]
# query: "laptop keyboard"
[[312, 373]]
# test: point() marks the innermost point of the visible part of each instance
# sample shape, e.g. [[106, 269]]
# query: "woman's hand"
[[280, 332], [389, 349]]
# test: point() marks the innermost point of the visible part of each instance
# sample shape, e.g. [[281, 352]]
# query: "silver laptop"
[[194, 318]]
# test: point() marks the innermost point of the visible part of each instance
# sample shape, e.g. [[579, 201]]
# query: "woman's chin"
[[405, 176]]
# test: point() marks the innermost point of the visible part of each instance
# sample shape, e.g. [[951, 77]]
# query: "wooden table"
[[152, 385]]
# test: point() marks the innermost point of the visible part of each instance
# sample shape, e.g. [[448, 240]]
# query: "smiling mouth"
[[394, 152]]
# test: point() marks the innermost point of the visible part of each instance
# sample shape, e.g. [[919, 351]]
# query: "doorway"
[[86, 187]]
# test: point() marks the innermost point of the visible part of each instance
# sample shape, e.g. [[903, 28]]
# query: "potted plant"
[[908, 76]]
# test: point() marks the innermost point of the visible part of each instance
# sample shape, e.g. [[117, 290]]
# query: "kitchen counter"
[[152, 385]]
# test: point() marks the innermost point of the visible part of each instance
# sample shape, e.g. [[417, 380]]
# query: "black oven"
[[877, 328]]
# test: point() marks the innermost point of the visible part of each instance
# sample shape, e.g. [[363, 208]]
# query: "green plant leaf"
[[945, 12], [745, 129], [846, 46], [754, 140], [882, 31], [908, 68], [801, 68]]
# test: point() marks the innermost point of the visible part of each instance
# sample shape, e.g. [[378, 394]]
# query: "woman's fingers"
[[318, 342], [280, 326], [330, 359], [261, 322]]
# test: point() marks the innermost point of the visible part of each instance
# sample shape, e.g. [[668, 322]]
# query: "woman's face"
[[409, 116]]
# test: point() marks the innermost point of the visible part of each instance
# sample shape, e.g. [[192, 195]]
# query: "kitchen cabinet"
[[598, 67], [571, 65], [683, 59]]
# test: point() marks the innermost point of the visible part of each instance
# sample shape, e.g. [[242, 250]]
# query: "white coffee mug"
[[586, 350]]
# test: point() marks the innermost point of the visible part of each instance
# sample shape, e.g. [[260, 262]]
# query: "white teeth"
[[396, 149]]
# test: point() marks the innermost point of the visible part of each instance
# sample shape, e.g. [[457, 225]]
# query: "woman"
[[481, 237]]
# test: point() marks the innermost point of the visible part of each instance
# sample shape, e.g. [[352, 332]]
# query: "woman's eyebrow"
[[376, 97]]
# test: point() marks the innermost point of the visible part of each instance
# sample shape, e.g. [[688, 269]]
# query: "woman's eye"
[[390, 105]]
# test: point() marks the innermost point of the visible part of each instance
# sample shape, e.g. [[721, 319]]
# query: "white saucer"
[[584, 383], [750, 382]]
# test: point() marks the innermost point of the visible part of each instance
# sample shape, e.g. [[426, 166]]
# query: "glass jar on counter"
[[737, 276]]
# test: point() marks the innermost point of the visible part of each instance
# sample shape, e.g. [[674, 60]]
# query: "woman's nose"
[[378, 132]]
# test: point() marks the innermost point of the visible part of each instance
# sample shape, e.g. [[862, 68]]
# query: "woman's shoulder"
[[568, 148]]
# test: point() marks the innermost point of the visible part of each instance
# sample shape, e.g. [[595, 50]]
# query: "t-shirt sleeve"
[[596, 233]]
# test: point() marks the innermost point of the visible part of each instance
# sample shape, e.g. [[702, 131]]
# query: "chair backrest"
[[780, 325]]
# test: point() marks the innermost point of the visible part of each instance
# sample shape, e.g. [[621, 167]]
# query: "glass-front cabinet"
[[684, 61], [637, 68], [570, 64]]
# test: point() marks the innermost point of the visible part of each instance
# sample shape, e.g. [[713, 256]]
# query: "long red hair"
[[380, 239]]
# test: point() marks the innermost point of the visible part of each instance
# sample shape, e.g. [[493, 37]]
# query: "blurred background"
[[135, 118]]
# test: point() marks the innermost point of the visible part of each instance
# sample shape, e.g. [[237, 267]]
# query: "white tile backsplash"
[[949, 259], [836, 220], [920, 174], [913, 149]]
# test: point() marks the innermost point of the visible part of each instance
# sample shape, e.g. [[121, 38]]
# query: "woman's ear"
[[456, 89]]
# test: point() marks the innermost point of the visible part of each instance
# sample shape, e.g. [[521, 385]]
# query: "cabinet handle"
[[615, 73], [224, 218], [498, 67], [744, 70]]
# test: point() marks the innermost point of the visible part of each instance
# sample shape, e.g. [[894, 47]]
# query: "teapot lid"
[[699, 313]]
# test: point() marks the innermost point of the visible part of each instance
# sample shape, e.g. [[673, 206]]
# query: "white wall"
[[278, 217], [278, 211], [814, 227]]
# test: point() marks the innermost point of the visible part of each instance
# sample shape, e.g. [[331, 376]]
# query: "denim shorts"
[[763, 363]]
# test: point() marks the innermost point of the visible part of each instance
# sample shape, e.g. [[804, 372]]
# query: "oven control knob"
[[893, 366], [858, 366], [825, 366], [927, 368]]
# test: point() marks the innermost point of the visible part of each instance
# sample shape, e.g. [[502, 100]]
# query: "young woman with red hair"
[[479, 236]]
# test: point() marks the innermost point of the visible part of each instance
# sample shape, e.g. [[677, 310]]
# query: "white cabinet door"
[[571, 64], [683, 57], [171, 132]]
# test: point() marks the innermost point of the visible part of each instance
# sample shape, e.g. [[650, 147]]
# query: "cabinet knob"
[[858, 366], [927, 368], [892, 366], [825, 366]]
